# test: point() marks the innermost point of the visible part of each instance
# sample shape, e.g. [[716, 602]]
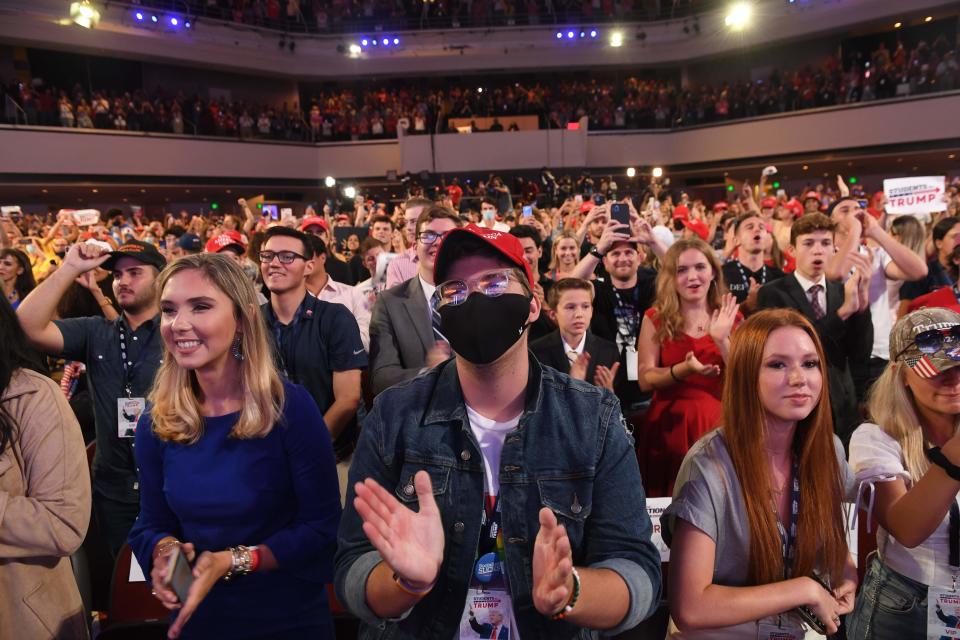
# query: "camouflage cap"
[[927, 340]]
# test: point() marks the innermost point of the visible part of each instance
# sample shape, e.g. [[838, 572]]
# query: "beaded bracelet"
[[409, 588], [572, 602]]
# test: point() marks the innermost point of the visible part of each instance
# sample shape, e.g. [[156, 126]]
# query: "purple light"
[[571, 35], [186, 25], [139, 16], [396, 41], [386, 42], [593, 33], [153, 18], [364, 42], [559, 35], [174, 22]]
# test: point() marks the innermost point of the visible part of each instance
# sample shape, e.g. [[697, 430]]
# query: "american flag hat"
[[927, 340]]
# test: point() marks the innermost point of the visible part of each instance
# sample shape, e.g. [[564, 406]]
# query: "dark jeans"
[[890, 606], [115, 519]]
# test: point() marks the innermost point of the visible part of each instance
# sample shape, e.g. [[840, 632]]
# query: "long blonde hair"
[[564, 235], [667, 305], [176, 408], [821, 538], [894, 409]]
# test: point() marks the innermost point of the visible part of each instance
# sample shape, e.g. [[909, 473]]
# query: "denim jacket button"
[[464, 455], [458, 527], [409, 489]]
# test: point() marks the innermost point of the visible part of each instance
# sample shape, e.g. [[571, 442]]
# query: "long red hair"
[[821, 538]]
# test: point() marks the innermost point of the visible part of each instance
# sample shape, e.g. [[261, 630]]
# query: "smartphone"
[[271, 210], [179, 574], [527, 211], [863, 203], [599, 199], [620, 212]]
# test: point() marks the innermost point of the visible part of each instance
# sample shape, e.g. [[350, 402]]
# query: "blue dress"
[[280, 491]]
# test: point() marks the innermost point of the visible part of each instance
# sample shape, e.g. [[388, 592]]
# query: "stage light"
[[186, 25], [138, 16], [355, 49], [174, 21], [214, 206], [350, 192], [594, 33], [616, 39], [559, 35], [657, 172], [729, 187], [583, 34], [738, 16], [386, 42], [897, 25], [154, 19], [570, 35], [330, 182], [84, 14], [776, 185], [479, 89], [364, 42], [928, 19], [374, 42], [631, 172], [852, 180], [396, 41]]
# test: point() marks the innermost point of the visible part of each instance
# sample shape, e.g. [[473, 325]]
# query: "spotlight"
[[350, 192], [330, 181], [396, 41], [657, 172], [174, 22], [386, 42], [583, 34], [738, 16], [928, 19], [355, 49], [897, 25], [479, 89], [559, 35], [570, 35], [374, 42], [631, 172], [154, 19], [84, 14], [364, 42], [593, 33], [616, 39], [186, 25], [138, 16]]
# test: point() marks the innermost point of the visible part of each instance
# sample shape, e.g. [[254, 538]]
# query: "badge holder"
[[128, 413], [630, 354], [943, 605]]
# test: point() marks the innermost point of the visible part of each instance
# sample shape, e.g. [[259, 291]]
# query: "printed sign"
[[655, 508], [914, 195]]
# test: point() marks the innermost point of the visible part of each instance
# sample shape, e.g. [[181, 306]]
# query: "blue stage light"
[[154, 19], [571, 35], [593, 33], [559, 35], [396, 41], [138, 16], [364, 42], [174, 21]]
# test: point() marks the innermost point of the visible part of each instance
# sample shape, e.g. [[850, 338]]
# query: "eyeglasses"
[[285, 257], [428, 237], [490, 283], [936, 339]]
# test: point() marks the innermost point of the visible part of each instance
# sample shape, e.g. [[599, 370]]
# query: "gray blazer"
[[400, 335]]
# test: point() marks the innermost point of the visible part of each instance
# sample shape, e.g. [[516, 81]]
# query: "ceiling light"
[[928, 19], [350, 192], [616, 39], [84, 14], [897, 25], [631, 172], [355, 50], [330, 181], [657, 172], [738, 16]]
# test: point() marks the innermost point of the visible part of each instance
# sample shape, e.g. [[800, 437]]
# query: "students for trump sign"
[[914, 195]]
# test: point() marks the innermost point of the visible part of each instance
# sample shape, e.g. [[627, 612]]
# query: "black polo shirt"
[[322, 338], [737, 277], [95, 341]]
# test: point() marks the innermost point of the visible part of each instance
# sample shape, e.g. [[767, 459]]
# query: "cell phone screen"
[[527, 211], [599, 199], [620, 212], [272, 210]]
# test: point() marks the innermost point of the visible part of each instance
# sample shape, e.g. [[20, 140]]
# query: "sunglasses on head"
[[932, 341]]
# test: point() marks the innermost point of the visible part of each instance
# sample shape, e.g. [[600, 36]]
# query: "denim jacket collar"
[[447, 403]]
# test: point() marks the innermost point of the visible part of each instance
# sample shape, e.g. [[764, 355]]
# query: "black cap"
[[140, 251]]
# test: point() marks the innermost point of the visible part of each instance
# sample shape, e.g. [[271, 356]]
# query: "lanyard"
[[287, 349], [954, 536], [130, 368], [746, 278], [788, 537]]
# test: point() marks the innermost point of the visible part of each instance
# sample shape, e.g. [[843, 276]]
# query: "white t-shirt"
[[884, 300], [488, 610], [877, 457]]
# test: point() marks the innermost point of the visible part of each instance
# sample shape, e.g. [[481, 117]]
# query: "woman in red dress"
[[681, 349]]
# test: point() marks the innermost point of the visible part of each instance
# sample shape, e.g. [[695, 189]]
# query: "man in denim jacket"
[[492, 492]]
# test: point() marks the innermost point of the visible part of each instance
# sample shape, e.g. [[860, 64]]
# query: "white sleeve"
[[875, 455]]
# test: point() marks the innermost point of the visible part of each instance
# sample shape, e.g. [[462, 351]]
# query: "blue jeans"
[[890, 606]]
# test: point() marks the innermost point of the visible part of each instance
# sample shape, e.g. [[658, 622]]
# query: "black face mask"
[[482, 329]]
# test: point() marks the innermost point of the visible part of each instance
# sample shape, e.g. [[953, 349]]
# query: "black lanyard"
[[954, 536], [130, 368], [746, 278], [788, 536], [287, 349]]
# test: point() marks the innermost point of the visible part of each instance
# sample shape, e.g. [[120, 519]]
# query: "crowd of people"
[[455, 413], [380, 112], [395, 15]]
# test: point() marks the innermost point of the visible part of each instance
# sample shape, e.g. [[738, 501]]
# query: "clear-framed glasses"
[[428, 237], [285, 257], [492, 284]]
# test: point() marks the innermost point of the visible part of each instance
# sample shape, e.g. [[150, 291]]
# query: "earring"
[[236, 349]]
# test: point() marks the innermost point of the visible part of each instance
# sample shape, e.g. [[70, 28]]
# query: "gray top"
[[707, 494]]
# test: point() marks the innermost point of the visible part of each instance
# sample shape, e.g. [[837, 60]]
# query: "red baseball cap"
[[681, 212], [505, 244], [699, 227], [586, 206], [314, 221], [224, 240], [795, 207], [768, 203], [721, 206], [811, 194]]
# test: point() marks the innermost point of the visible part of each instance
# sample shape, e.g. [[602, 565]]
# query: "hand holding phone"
[[620, 212], [179, 574]]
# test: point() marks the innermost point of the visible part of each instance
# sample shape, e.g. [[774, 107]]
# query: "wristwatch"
[[596, 253]]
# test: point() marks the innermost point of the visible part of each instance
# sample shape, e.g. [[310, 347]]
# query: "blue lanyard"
[[788, 536]]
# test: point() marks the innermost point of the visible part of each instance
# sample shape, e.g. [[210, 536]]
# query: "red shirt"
[[942, 297]]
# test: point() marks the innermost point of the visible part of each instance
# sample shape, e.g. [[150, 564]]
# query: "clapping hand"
[[578, 368], [410, 542], [604, 376], [721, 322], [696, 366], [552, 565]]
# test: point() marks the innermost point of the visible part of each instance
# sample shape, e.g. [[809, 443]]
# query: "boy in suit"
[[839, 312], [572, 349]]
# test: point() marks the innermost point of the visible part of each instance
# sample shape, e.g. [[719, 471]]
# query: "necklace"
[[13, 295]]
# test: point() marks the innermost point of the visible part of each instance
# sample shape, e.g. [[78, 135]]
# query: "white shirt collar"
[[579, 348], [428, 289], [806, 284]]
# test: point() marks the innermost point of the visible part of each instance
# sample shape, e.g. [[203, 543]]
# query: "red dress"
[[679, 414]]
